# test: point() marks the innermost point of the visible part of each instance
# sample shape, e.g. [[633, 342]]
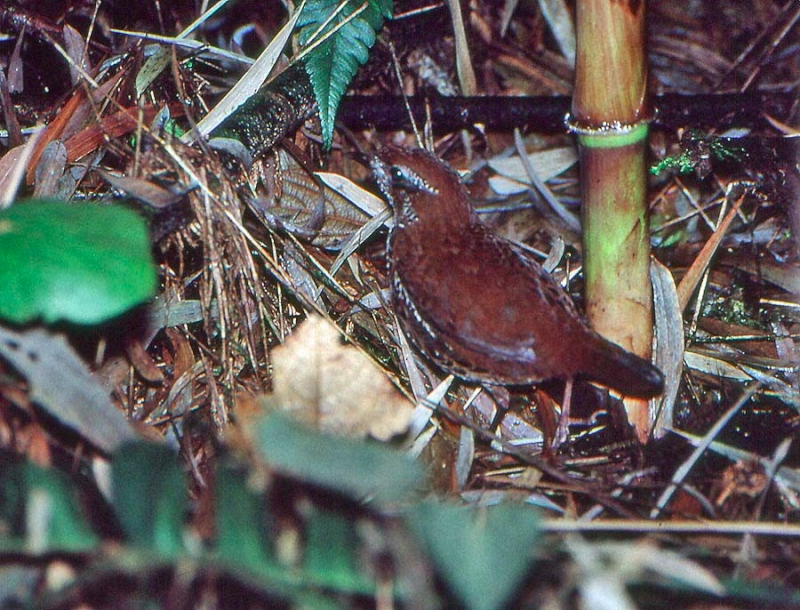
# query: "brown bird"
[[475, 303]]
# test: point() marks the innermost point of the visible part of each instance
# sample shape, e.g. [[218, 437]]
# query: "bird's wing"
[[465, 292]]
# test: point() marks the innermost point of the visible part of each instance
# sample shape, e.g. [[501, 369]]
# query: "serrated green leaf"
[[149, 497], [82, 263], [357, 469], [481, 553], [333, 63]]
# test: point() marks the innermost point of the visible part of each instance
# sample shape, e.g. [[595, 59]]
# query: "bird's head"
[[420, 187]]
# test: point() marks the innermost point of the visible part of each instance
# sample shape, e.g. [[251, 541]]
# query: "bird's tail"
[[623, 371]]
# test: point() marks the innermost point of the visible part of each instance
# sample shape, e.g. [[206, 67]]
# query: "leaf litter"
[[256, 336]]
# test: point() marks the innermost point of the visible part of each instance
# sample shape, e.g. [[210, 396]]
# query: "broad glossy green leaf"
[[482, 553], [82, 263], [333, 63], [358, 469]]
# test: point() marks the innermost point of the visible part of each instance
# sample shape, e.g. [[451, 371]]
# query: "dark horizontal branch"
[[546, 114]]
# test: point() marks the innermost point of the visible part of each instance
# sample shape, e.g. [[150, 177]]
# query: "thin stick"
[[683, 471]]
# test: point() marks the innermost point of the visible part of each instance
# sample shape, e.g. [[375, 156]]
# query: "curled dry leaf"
[[335, 387]]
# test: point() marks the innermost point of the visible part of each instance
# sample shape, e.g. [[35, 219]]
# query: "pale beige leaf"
[[559, 19], [548, 164], [336, 387], [714, 366], [668, 348], [12, 169], [60, 382]]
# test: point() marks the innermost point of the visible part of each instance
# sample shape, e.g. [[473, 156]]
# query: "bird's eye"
[[405, 178], [399, 176]]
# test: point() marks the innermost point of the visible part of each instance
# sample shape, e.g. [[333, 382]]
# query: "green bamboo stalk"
[[610, 116]]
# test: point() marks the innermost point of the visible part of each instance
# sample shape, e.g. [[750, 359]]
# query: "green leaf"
[[760, 593], [152, 68], [82, 263], [54, 521], [149, 497], [242, 529], [483, 553], [333, 63], [312, 600], [243, 546], [241, 515], [357, 469], [330, 557], [12, 498]]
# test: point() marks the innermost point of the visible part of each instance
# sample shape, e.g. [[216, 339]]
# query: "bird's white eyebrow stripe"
[[415, 180]]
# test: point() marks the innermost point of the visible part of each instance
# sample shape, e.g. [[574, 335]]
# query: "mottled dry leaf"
[[304, 203], [335, 387]]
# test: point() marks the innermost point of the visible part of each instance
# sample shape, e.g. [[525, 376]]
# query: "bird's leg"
[[502, 400], [562, 430]]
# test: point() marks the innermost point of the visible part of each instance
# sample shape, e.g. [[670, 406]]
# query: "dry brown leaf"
[[143, 362], [70, 119], [304, 202], [335, 387], [145, 191], [113, 126], [695, 272]]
